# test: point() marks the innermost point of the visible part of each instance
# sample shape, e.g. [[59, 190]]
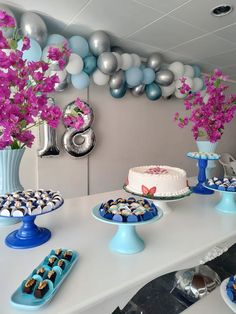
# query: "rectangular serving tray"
[[25, 301]]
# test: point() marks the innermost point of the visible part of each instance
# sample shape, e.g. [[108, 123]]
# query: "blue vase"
[[208, 147], [9, 176]]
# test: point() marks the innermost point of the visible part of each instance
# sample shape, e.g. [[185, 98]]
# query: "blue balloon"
[[142, 66], [80, 81], [119, 92], [34, 53], [90, 64], [134, 76], [153, 91], [197, 70], [79, 45], [148, 76], [56, 39]]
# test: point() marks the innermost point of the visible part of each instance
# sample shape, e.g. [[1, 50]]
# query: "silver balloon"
[[99, 42], [138, 90], [165, 77], [79, 144], [8, 32], [72, 109], [154, 61], [117, 49], [33, 25], [107, 63], [117, 79], [50, 147], [195, 283], [61, 86]]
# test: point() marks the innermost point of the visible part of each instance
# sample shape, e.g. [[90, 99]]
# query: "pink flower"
[[26, 43]]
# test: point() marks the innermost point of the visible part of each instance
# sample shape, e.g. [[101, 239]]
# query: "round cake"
[[159, 181]]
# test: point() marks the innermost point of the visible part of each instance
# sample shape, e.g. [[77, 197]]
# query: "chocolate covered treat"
[[52, 275], [61, 264], [41, 290], [29, 285], [51, 260], [68, 255], [41, 271], [58, 252]]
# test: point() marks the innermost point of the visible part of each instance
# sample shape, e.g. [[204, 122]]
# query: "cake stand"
[[126, 240], [161, 202], [29, 235], [202, 164], [227, 202]]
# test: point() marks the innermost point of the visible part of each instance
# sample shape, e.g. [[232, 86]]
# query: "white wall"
[[130, 131]]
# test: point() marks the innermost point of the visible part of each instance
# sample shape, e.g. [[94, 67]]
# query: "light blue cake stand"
[[227, 203], [126, 240]]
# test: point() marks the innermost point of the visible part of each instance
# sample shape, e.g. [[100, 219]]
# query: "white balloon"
[[126, 61], [188, 71], [168, 90], [177, 68], [136, 60], [206, 97], [100, 78], [188, 81], [197, 84], [119, 61], [75, 64], [179, 95]]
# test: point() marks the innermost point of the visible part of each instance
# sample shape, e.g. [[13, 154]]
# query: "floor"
[[155, 297]]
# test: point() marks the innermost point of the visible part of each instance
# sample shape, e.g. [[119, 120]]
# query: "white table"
[[211, 304], [102, 280]]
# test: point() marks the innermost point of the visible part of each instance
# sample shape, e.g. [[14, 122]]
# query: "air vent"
[[222, 10]]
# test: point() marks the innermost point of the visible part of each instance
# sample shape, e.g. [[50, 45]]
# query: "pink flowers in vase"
[[208, 114], [24, 88]]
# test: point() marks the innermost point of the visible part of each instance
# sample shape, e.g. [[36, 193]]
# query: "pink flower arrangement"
[[76, 118], [208, 114], [24, 88]]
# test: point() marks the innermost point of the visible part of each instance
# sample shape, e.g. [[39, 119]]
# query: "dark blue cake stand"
[[202, 165], [29, 235]]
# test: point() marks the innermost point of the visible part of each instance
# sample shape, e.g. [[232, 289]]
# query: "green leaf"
[[13, 44], [201, 133], [217, 83], [15, 145]]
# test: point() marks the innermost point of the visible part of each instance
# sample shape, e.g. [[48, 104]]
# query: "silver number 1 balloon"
[[50, 147]]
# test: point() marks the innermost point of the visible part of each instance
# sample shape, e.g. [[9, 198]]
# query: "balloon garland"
[[95, 59]]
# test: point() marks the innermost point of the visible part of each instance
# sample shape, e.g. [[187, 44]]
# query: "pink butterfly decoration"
[[147, 191]]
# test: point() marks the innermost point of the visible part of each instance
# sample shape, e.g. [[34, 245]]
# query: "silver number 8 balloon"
[[79, 143]]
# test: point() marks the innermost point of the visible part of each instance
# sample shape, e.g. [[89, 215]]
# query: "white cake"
[[157, 181]]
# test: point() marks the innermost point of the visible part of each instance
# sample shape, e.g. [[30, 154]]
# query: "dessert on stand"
[[227, 188], [161, 184], [27, 205], [127, 214], [202, 158]]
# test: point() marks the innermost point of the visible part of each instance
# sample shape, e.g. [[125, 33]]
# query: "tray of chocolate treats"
[[41, 285]]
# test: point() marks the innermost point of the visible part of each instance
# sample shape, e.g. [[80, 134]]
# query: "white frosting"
[[172, 183]]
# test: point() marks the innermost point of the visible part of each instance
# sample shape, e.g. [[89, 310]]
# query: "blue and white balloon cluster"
[[95, 58]]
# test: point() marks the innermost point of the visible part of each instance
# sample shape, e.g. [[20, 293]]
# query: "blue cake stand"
[[29, 235], [126, 240], [227, 203], [202, 164]]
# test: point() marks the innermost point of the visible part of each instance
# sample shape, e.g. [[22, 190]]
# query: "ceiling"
[[181, 30]]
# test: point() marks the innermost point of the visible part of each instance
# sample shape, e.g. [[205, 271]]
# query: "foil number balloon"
[[79, 143]]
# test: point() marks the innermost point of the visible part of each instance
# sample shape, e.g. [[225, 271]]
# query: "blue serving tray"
[[25, 301]]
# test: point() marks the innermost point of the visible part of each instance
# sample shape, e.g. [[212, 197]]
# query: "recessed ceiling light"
[[222, 10]]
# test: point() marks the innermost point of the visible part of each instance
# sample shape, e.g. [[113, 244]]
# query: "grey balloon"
[[117, 79], [107, 63], [138, 90], [33, 25], [99, 42], [154, 61], [117, 49], [7, 32], [165, 77]]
